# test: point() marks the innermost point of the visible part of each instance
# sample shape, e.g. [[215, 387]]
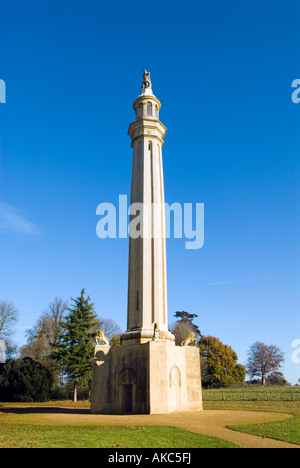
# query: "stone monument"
[[147, 373]]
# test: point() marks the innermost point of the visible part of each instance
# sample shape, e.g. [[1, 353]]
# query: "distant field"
[[253, 393]]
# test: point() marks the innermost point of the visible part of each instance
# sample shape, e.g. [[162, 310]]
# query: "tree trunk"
[[75, 391], [263, 379]]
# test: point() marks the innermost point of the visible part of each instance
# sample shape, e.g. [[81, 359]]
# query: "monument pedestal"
[[153, 377]]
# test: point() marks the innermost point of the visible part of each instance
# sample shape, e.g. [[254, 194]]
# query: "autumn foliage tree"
[[219, 363]]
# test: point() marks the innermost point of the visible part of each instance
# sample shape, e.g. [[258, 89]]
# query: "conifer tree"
[[74, 353]]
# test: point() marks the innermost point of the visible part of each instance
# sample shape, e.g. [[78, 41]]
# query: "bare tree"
[[110, 328], [184, 326], [43, 337], [263, 360], [181, 331], [53, 318], [8, 318]]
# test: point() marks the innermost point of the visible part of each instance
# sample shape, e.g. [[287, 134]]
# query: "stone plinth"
[[153, 377]]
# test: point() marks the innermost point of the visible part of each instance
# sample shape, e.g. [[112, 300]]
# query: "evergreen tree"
[[24, 380], [74, 352]]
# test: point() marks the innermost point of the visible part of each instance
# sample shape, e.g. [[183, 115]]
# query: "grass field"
[[283, 399], [287, 431], [33, 436], [253, 393], [17, 431]]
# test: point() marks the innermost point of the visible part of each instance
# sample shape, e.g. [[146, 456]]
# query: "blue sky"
[[223, 71]]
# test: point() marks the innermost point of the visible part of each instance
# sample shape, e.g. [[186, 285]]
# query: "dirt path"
[[209, 422]]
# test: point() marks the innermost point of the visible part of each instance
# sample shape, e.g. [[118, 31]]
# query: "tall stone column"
[[147, 373], [147, 282]]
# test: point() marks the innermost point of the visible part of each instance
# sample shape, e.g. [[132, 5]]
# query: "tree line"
[[219, 362], [58, 355], [62, 341]]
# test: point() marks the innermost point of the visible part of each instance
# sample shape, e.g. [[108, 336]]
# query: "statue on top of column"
[[147, 81]]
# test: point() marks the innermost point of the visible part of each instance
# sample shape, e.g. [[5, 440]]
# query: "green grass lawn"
[[34, 436], [13, 434], [278, 398], [287, 430]]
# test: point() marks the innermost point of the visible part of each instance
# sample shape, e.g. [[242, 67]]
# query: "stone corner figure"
[[190, 340], [147, 81], [101, 339], [156, 333]]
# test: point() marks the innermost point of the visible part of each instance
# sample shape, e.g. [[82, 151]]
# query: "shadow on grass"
[[57, 410], [44, 410]]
